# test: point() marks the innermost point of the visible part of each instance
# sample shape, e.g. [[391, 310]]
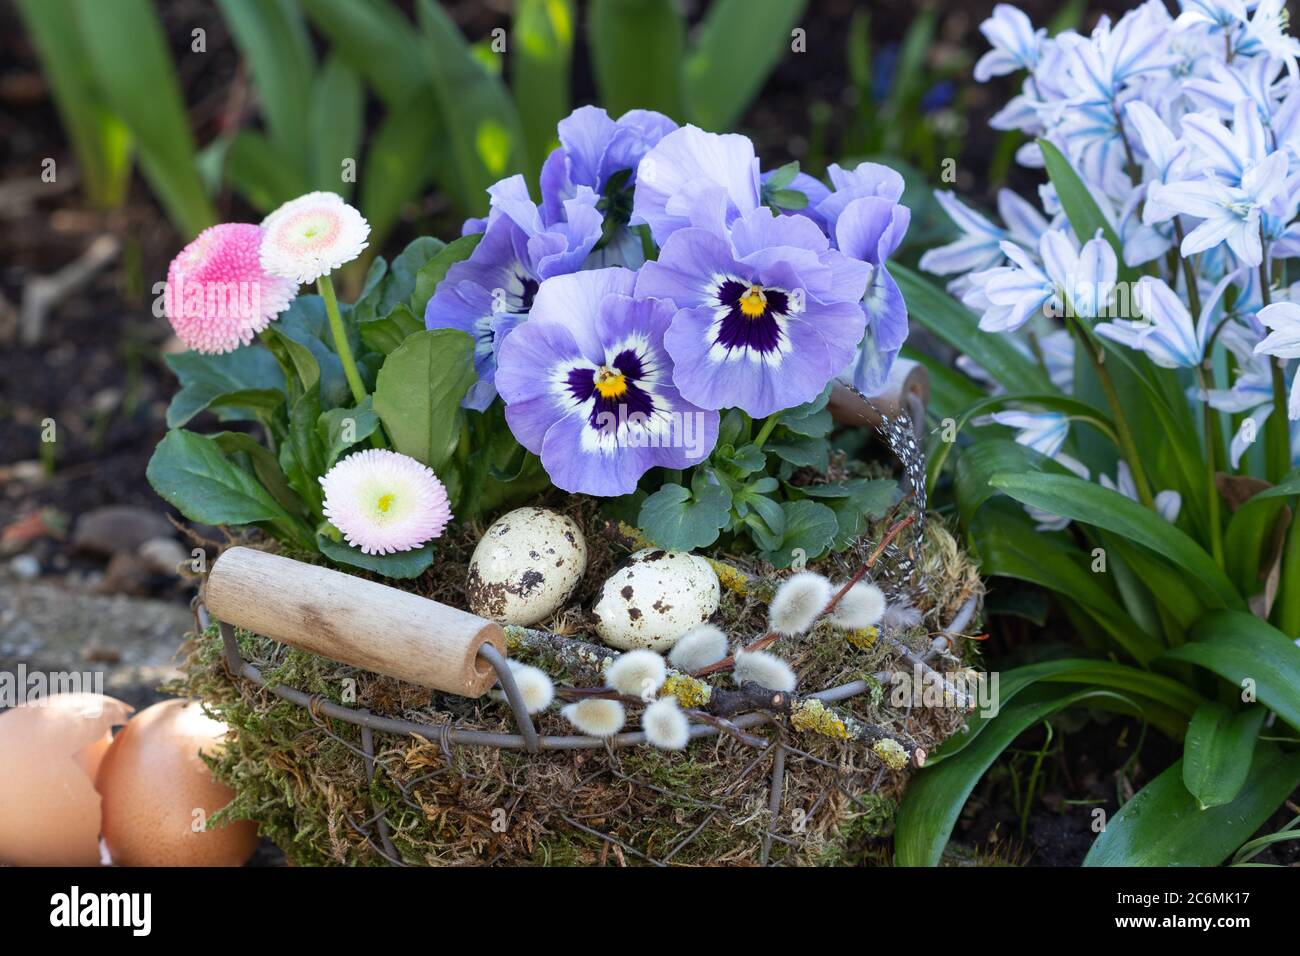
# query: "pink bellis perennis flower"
[[218, 296], [385, 502], [311, 236]]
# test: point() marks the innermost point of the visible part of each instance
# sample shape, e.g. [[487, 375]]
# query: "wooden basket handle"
[[354, 621]]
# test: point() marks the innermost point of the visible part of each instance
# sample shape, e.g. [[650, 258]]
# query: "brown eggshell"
[[50, 752], [152, 781]]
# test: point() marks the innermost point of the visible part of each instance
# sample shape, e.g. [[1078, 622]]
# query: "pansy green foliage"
[[1125, 441], [290, 382], [754, 492], [600, 342]]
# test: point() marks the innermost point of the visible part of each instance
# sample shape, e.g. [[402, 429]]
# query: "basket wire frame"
[[899, 432]]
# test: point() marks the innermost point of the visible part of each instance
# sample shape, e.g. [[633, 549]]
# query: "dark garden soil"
[[96, 369]]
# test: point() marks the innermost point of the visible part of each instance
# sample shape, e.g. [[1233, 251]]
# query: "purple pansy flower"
[[866, 222], [694, 178], [492, 291], [589, 387], [603, 154], [767, 311]]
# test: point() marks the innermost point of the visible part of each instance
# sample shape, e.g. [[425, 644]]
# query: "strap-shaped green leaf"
[[1241, 648], [1163, 826], [1217, 752], [1080, 500]]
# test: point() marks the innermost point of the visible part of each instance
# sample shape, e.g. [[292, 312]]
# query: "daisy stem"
[[325, 286], [765, 431]]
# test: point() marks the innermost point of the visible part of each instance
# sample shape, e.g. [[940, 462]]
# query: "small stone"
[[126, 574], [25, 567], [119, 528], [162, 555]]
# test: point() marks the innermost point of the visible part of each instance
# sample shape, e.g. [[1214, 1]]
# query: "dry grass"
[[304, 779]]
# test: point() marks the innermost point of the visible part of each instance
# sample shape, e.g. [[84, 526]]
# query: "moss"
[[305, 782]]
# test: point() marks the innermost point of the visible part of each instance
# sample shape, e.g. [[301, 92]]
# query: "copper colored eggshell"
[[153, 780], [50, 752]]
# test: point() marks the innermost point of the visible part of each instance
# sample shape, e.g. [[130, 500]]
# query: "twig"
[[771, 637]]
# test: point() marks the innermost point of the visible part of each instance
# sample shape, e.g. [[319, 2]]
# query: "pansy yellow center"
[[385, 502], [753, 301], [610, 383]]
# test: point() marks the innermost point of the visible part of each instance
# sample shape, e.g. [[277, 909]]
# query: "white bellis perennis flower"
[[665, 726], [799, 601], [311, 236], [385, 502], [595, 716], [637, 673], [699, 647]]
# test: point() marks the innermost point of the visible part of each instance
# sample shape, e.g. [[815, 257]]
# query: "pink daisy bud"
[[218, 296], [385, 502], [311, 236]]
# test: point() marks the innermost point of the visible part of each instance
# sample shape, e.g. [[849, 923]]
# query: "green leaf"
[[637, 52], [1240, 647], [1085, 216], [812, 419], [376, 41], [305, 323], [418, 393], [1163, 826], [1079, 500], [342, 428], [387, 334], [335, 122], [539, 71], [265, 467], [959, 327], [302, 454], [855, 502], [399, 163], [802, 452], [683, 520], [100, 139], [810, 529], [206, 378], [273, 40], [190, 472], [1218, 750], [435, 270], [936, 795], [1010, 546], [1167, 703], [981, 461], [738, 45], [261, 171], [1079, 411], [1251, 532], [127, 50], [479, 118], [402, 564]]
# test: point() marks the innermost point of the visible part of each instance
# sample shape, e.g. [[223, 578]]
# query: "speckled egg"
[[655, 598], [526, 566]]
